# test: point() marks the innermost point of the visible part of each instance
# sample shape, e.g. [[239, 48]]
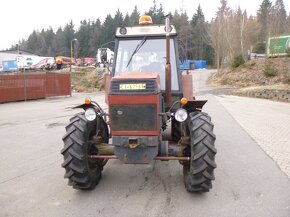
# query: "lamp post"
[[71, 52], [107, 43]]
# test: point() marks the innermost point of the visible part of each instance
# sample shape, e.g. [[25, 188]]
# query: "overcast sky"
[[19, 18]]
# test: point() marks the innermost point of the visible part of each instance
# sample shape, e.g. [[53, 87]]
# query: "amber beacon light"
[[88, 101], [183, 101], [145, 20]]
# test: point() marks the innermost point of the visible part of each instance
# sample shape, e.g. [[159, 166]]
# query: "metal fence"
[[28, 86]]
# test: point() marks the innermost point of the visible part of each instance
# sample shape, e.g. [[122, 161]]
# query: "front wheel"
[[199, 172], [81, 172]]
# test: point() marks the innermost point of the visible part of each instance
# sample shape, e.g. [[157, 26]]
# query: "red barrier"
[[24, 87], [57, 84], [11, 88], [34, 86]]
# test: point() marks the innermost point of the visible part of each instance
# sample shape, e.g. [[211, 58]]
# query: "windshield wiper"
[[136, 50]]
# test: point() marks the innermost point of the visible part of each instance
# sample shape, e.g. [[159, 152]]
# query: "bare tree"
[[218, 34], [250, 35], [288, 24]]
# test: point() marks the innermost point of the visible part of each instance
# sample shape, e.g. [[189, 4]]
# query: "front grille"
[[133, 117], [144, 86]]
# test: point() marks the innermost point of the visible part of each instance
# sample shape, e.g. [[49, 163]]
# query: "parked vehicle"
[[9, 66], [104, 56], [62, 61], [144, 92], [45, 64], [27, 61], [87, 61]]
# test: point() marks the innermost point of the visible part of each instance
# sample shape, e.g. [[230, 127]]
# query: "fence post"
[[25, 85]]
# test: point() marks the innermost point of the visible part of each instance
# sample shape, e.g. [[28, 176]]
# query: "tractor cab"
[[143, 49]]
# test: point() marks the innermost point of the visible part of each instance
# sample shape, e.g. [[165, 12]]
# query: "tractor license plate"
[[140, 86]]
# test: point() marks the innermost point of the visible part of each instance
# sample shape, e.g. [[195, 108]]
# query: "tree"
[[48, 37], [134, 18], [108, 31], [126, 21], [234, 27], [251, 31], [157, 14], [58, 44], [263, 17], [218, 34], [230, 33], [43, 43], [94, 41], [83, 36], [32, 42], [288, 24], [118, 19], [182, 25], [278, 21], [200, 47], [69, 35], [198, 34]]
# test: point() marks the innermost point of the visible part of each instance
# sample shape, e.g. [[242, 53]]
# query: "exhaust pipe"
[[168, 65]]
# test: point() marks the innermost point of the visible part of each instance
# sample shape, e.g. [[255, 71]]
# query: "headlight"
[[180, 115], [90, 114]]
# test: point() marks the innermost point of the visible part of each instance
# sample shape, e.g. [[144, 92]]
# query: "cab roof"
[[148, 30]]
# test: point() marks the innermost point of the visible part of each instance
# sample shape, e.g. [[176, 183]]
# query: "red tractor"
[[146, 93]]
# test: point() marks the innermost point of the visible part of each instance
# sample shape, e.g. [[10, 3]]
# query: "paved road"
[[267, 122], [248, 182]]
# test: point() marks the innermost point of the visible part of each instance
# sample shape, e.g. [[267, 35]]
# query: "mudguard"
[[195, 105], [86, 106]]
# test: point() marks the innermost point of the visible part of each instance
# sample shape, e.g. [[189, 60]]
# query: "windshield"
[[150, 57]]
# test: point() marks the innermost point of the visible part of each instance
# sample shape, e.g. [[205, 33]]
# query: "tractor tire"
[[81, 172], [199, 172]]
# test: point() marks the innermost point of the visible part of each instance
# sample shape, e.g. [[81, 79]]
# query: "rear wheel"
[[82, 172], [199, 172]]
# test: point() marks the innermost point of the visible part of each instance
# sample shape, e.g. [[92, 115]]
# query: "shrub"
[[238, 60], [270, 71]]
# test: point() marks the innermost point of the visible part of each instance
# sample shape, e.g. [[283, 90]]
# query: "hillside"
[[264, 78], [87, 79]]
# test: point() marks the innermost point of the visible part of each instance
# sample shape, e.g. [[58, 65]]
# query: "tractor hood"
[[135, 82], [137, 75]]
